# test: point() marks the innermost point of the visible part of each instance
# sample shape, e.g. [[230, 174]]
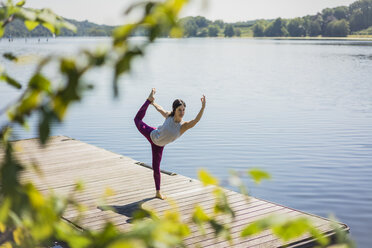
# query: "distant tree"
[[190, 27], [341, 12], [296, 27], [259, 28], [201, 21], [314, 29], [96, 32], [219, 23], [276, 28], [213, 31], [202, 33], [361, 14], [356, 20], [328, 12], [229, 31], [338, 28], [238, 32]]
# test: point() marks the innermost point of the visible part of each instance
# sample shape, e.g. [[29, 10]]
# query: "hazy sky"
[[111, 11]]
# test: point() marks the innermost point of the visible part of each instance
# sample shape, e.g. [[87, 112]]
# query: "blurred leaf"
[[217, 227], [48, 17], [258, 175], [79, 186], [292, 229], [123, 243], [27, 14], [206, 178], [176, 32], [222, 204], [2, 30], [21, 3], [10, 56], [69, 26], [50, 27], [39, 82], [141, 214], [4, 209], [30, 25], [18, 236], [44, 125], [199, 216], [60, 107], [122, 32], [36, 199], [109, 192], [6, 245], [149, 7], [256, 227], [10, 81]]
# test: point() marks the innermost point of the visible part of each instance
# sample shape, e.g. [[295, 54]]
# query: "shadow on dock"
[[127, 210]]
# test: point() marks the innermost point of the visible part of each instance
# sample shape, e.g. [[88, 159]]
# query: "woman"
[[172, 128]]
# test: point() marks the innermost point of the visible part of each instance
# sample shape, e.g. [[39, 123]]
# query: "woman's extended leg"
[[144, 129]]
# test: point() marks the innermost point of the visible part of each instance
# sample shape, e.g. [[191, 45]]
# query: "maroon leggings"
[[157, 151]]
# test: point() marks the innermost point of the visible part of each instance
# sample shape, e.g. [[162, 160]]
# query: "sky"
[[110, 12]]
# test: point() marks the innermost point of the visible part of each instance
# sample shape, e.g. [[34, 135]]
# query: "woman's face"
[[180, 111]]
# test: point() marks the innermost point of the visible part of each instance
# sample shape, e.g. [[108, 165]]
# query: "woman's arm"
[[161, 110], [190, 124]]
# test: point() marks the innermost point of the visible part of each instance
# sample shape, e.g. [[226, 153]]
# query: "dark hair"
[[176, 104]]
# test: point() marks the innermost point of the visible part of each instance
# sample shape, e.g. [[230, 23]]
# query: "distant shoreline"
[[350, 38]]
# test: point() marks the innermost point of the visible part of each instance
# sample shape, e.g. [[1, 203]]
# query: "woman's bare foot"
[[151, 97], [160, 195]]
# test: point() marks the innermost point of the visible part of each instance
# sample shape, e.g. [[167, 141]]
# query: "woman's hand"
[[203, 101]]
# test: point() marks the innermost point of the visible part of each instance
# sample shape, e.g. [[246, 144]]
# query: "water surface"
[[302, 110]]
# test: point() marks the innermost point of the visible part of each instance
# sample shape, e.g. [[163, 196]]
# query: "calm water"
[[301, 110]]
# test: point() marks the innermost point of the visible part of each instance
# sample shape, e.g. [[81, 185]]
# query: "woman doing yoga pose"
[[172, 128]]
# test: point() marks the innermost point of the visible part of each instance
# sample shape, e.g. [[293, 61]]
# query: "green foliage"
[[213, 31], [296, 27], [337, 28], [219, 23], [276, 28], [229, 31], [201, 21], [259, 28], [314, 28], [206, 178], [258, 175], [18, 28], [339, 21], [361, 15], [238, 32]]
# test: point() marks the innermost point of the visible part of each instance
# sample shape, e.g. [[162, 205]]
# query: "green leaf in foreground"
[[10, 56], [31, 25], [10, 81], [258, 175], [21, 3], [206, 178]]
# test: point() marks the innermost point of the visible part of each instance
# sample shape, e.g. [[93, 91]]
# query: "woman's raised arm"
[[190, 124]]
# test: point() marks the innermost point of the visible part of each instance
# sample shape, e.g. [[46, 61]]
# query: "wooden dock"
[[65, 161]]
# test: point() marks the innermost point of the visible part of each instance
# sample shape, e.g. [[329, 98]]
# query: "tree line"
[[199, 26], [331, 22], [83, 28]]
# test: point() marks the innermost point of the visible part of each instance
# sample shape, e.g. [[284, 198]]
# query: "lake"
[[301, 110]]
